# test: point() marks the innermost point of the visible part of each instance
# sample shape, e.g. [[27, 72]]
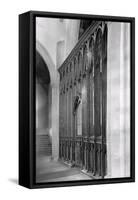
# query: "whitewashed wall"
[[52, 32]]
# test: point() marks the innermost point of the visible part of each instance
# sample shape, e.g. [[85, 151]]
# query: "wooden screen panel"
[[67, 111], [85, 93], [91, 87], [71, 111], [60, 114], [64, 112], [91, 107], [79, 113], [97, 105], [104, 100], [104, 79], [84, 107], [97, 84]]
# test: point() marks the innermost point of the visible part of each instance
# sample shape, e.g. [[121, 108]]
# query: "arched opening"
[[49, 74], [43, 109]]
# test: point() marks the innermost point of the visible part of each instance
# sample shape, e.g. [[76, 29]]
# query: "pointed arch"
[[54, 87]]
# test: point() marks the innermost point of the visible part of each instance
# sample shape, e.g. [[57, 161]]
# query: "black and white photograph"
[[67, 109], [82, 99]]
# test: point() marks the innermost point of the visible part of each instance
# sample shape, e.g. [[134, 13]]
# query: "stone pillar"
[[54, 94], [118, 105], [55, 121], [125, 99]]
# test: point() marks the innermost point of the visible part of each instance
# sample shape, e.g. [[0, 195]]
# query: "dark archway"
[[42, 72], [43, 108]]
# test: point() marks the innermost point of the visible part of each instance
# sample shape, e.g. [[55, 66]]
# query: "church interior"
[[82, 99]]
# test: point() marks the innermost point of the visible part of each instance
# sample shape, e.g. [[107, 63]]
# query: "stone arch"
[[47, 58], [54, 87]]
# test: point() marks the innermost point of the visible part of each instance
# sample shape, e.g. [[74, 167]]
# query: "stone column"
[[118, 105], [125, 99], [55, 121]]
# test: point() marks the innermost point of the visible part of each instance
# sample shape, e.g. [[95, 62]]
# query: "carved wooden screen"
[[91, 84], [84, 94], [104, 100], [97, 84], [100, 93], [79, 111], [83, 124]]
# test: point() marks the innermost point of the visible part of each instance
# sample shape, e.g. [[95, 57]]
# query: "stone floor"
[[48, 170]]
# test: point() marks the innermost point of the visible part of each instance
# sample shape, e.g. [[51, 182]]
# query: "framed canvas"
[[76, 99]]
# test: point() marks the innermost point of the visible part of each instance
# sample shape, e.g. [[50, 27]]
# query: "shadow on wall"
[[13, 180]]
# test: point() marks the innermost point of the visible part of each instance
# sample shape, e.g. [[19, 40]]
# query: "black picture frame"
[[27, 99]]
